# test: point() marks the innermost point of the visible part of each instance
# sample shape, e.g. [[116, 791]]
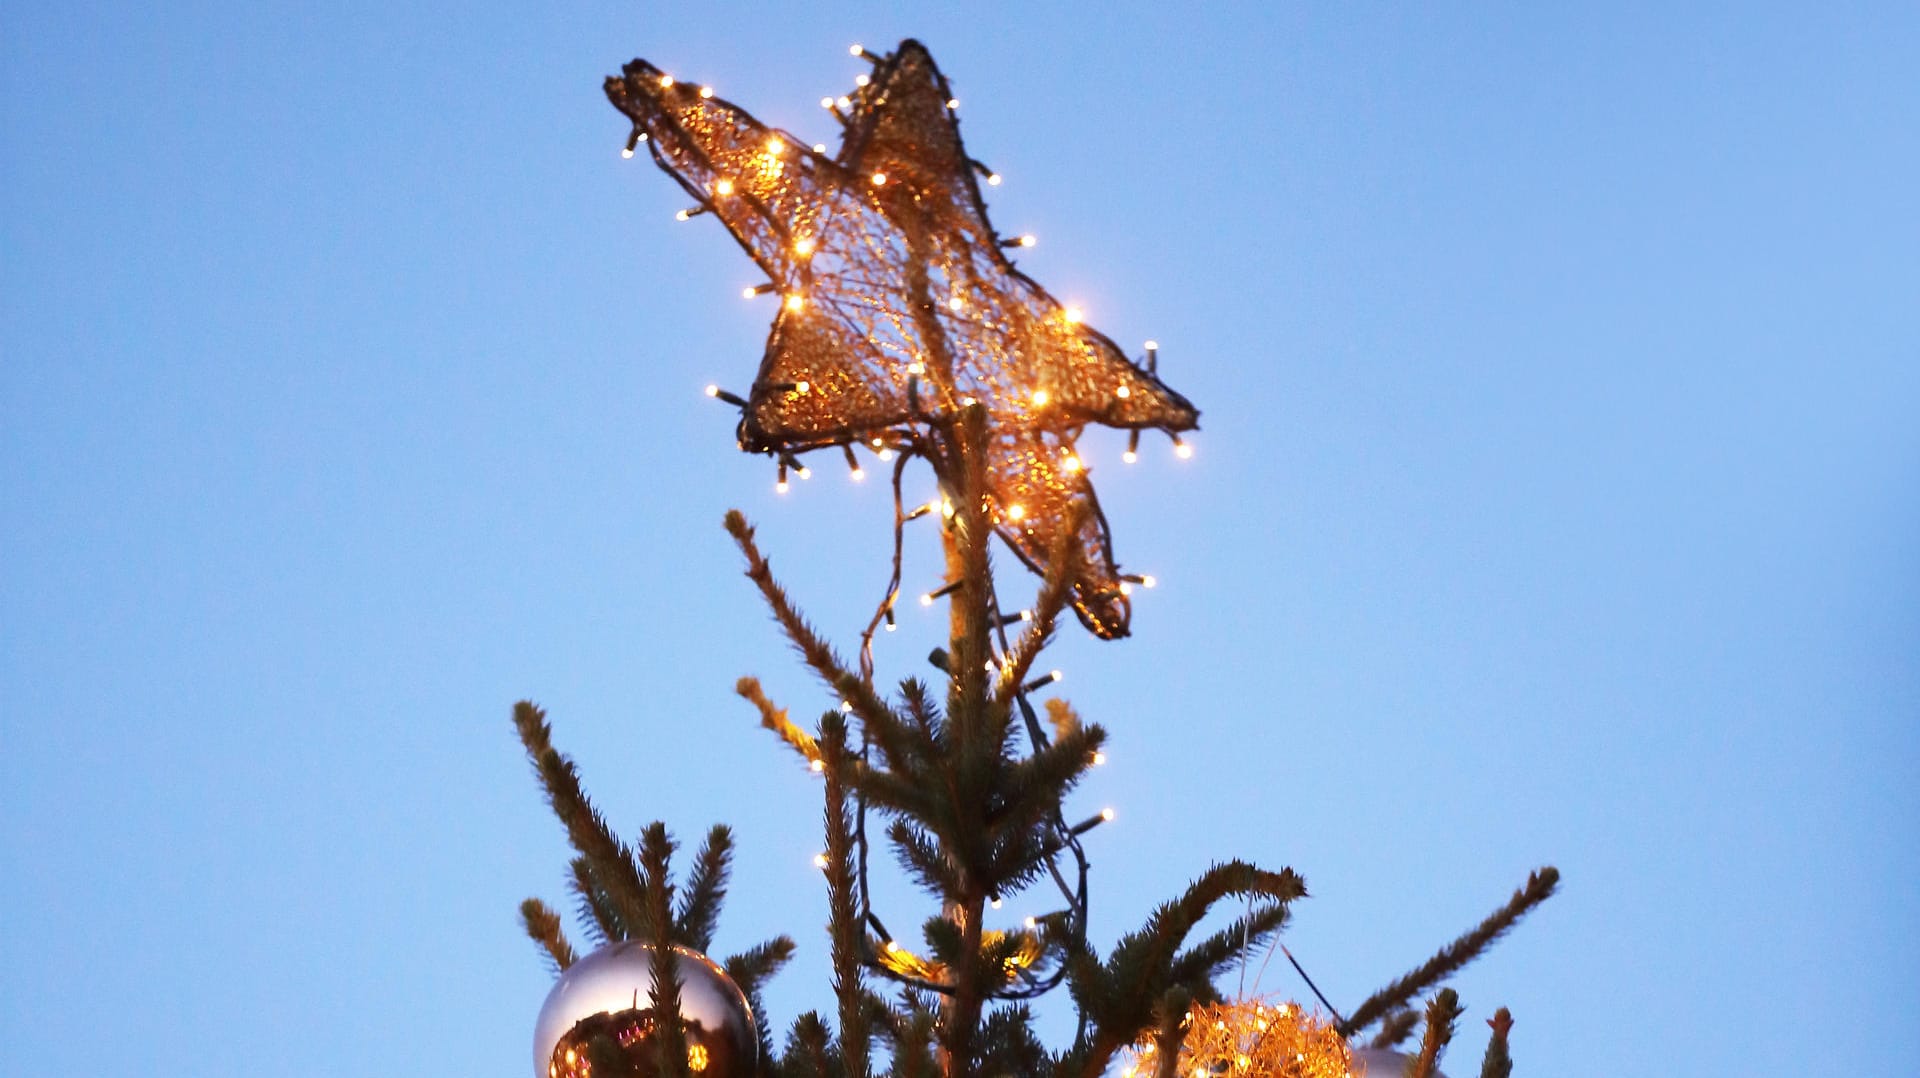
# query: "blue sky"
[[1555, 503]]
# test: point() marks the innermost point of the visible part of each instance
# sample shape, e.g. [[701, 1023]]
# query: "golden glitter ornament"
[[898, 306], [1250, 1039]]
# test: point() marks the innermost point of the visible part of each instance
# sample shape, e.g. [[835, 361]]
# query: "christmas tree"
[[904, 331]]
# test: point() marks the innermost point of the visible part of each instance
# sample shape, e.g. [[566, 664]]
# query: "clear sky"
[[1556, 502]]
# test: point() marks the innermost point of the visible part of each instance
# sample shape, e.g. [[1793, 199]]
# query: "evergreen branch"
[[775, 719], [923, 859], [1056, 591], [1008, 1045], [751, 970], [1453, 956], [543, 927], [1442, 1012], [1395, 1028], [1497, 1063], [847, 934], [807, 1049], [1031, 789], [816, 651], [1201, 963], [612, 861], [670, 1042], [1170, 1030], [927, 720], [706, 890], [596, 906]]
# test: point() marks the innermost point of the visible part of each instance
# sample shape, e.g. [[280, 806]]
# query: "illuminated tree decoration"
[[898, 307], [1249, 1039]]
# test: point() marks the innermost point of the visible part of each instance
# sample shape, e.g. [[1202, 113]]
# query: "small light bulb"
[[1033, 922], [713, 391], [1099, 758], [683, 215], [626, 152], [956, 304], [886, 453], [861, 80], [993, 180], [1026, 615], [969, 401], [1074, 314], [916, 367], [1016, 512], [820, 860], [953, 102], [805, 472], [723, 187], [1126, 588], [1129, 456], [780, 487], [996, 903], [1057, 676], [858, 474], [1106, 814], [666, 82], [1182, 450], [1071, 464], [1040, 398], [892, 947], [846, 707], [706, 91], [1153, 346], [820, 147], [856, 50], [1149, 581], [946, 508], [843, 101], [826, 102], [749, 292], [802, 387], [803, 246], [926, 598], [879, 179], [1123, 392], [1029, 240], [775, 146], [892, 625], [795, 302], [817, 766]]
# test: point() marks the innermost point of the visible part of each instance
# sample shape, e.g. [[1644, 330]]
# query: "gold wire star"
[[898, 306]]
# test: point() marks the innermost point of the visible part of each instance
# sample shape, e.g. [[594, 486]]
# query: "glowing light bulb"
[[891, 625], [820, 147], [723, 187], [856, 50], [1106, 814], [805, 472], [803, 246], [817, 766], [1040, 398], [796, 302], [861, 80], [885, 454], [1129, 456], [846, 707], [953, 102], [1153, 346], [706, 91], [1071, 464], [969, 401], [843, 101], [1182, 450], [1099, 758], [1126, 588], [1074, 314], [858, 474], [775, 146], [683, 215], [749, 292], [1026, 615], [1016, 512], [1033, 922], [956, 304], [946, 508], [1149, 581], [926, 598], [1058, 677], [879, 179], [826, 102], [996, 903], [1123, 392], [780, 487], [1029, 239], [803, 387], [916, 367], [820, 860], [993, 180], [626, 152], [666, 82], [713, 391]]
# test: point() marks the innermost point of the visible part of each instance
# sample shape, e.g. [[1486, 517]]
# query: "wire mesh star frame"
[[899, 307]]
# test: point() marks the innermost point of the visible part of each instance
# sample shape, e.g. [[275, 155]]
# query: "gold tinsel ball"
[[1251, 1038], [1382, 1063], [598, 1021]]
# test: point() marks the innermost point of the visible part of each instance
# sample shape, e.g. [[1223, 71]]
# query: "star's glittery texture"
[[1251, 1039], [898, 307]]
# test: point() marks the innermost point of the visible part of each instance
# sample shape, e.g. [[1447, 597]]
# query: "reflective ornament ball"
[[598, 1020], [1382, 1063]]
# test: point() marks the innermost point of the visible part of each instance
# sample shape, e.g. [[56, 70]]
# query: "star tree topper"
[[898, 306]]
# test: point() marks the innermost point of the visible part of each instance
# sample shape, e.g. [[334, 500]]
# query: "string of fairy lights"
[[897, 310]]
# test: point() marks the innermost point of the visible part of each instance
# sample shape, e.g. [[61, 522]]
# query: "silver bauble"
[[607, 992], [1382, 1063]]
